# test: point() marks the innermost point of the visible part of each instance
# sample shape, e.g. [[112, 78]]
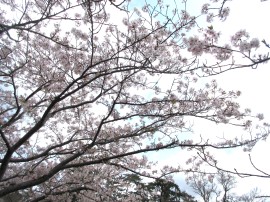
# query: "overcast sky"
[[252, 15]]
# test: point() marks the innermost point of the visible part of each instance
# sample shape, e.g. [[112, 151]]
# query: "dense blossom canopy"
[[82, 93]]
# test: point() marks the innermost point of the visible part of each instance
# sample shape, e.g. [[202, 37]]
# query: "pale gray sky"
[[252, 15]]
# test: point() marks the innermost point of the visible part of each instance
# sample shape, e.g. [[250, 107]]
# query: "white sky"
[[252, 15]]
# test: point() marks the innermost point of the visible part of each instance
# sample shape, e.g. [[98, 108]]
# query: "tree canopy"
[[88, 86]]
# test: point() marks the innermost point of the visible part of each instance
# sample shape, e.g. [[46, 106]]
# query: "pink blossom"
[[205, 8]]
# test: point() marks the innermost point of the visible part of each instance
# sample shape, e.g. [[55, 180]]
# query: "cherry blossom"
[[84, 96]]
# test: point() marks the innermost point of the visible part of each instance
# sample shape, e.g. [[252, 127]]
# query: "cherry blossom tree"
[[84, 95]]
